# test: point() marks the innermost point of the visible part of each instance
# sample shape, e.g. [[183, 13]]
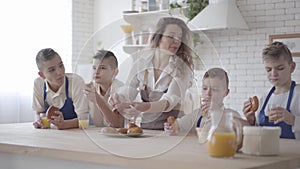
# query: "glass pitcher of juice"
[[224, 134]]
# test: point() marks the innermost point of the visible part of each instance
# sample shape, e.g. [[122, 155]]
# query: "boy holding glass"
[[285, 93], [214, 89]]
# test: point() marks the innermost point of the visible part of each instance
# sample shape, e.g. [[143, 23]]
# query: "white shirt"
[[93, 109], [176, 86], [281, 100], [189, 121], [58, 98]]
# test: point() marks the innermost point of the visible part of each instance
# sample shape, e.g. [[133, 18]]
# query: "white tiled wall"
[[82, 30], [239, 50]]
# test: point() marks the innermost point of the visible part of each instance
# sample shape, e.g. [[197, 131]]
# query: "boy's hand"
[[57, 120], [38, 124], [205, 105], [283, 115], [171, 126], [250, 115], [90, 92]]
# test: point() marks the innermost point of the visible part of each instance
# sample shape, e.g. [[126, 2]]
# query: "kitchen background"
[[93, 24]]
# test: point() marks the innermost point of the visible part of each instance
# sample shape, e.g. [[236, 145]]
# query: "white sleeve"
[[188, 121], [177, 90]]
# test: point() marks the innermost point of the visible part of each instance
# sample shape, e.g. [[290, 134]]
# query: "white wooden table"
[[22, 146]]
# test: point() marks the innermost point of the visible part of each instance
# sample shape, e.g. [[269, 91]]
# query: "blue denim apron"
[[286, 130], [68, 108]]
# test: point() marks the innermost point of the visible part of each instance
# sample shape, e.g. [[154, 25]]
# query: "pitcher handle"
[[238, 128]]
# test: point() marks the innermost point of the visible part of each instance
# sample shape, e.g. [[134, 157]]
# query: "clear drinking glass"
[[83, 119], [130, 115], [270, 111], [45, 122]]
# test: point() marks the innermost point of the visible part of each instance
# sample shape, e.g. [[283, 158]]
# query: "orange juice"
[[45, 122], [222, 144], [272, 119], [83, 124]]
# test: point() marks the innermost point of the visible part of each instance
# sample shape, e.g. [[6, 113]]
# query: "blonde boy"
[[285, 93], [105, 69], [214, 90]]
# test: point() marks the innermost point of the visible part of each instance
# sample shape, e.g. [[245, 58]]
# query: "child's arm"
[[38, 122], [249, 114], [114, 118], [171, 126], [60, 123], [111, 116]]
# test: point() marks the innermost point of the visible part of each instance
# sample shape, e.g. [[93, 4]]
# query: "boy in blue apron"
[[285, 93], [55, 87]]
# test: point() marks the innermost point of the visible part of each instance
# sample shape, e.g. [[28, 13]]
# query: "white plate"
[[120, 135]]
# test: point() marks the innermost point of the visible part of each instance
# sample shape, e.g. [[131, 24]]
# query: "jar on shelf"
[[163, 4], [133, 5], [144, 6]]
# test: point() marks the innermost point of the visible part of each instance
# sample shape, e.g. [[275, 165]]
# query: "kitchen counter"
[[22, 146]]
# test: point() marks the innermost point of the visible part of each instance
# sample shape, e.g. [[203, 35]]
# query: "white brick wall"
[[240, 51], [82, 29]]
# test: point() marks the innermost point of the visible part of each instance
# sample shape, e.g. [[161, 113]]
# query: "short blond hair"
[[217, 72], [276, 50]]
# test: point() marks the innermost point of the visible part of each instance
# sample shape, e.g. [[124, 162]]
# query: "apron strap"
[[145, 79], [288, 105], [67, 87]]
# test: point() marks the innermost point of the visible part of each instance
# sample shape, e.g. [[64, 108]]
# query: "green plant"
[[194, 7]]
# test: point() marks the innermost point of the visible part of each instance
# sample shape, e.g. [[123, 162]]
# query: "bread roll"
[[122, 130], [254, 102], [51, 112], [134, 130]]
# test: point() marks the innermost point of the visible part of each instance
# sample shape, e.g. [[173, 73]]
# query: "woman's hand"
[[115, 99], [250, 115], [141, 106]]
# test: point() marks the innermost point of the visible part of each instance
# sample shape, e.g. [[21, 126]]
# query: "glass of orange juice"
[[83, 119], [45, 122], [270, 107]]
